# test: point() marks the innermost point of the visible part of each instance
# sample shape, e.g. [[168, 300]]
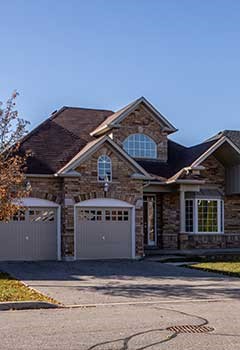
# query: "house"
[[110, 184]]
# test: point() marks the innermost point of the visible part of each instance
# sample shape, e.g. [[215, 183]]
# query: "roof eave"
[[168, 126], [212, 149], [83, 156]]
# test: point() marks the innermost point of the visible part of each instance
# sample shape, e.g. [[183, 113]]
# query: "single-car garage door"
[[30, 235], [103, 233]]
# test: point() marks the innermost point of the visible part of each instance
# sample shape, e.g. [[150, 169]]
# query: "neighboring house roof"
[[115, 118]]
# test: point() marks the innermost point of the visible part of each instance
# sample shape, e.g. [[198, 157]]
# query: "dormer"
[[139, 129]]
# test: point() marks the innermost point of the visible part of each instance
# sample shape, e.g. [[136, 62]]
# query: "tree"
[[12, 160]]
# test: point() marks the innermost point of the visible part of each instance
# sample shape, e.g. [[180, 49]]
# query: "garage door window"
[[116, 215], [90, 215], [19, 216], [41, 215], [103, 215]]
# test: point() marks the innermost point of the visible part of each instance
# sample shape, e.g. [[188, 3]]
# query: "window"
[[140, 146], [19, 215], [41, 215], [90, 215], [103, 215], [207, 216], [204, 215], [104, 168]]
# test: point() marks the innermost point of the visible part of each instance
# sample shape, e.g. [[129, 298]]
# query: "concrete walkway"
[[95, 282]]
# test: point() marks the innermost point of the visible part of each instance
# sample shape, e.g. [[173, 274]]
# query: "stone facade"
[[170, 220], [122, 187], [68, 191], [49, 188], [214, 175], [142, 121]]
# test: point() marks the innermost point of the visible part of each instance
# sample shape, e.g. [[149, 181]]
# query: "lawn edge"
[[49, 300], [220, 272]]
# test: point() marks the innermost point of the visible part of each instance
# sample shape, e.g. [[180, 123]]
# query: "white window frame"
[[110, 162], [220, 216], [132, 138]]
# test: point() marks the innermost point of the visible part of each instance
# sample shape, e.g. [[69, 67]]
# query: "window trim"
[[134, 148], [220, 216], [110, 162]]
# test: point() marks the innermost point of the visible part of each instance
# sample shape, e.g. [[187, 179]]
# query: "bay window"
[[204, 215]]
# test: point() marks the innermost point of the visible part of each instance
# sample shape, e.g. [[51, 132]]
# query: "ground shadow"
[[133, 280]]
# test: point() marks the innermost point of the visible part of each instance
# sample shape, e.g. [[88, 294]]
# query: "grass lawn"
[[13, 290], [227, 266]]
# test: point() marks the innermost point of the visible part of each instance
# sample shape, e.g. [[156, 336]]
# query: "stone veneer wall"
[[170, 220], [142, 121], [86, 187], [215, 175], [47, 188]]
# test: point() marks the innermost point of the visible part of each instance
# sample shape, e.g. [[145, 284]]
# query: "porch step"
[[191, 252]]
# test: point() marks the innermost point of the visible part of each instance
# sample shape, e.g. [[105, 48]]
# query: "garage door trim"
[[103, 203], [38, 202]]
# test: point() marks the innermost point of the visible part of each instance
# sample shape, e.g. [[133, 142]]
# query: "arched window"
[[140, 146], [104, 168]]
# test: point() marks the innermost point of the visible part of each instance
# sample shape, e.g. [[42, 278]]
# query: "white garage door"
[[30, 235], [103, 233]]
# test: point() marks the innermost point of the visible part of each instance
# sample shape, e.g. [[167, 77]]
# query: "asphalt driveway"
[[96, 282]]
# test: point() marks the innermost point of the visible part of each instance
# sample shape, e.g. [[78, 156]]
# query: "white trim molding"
[[90, 148], [220, 216], [212, 149], [118, 116], [104, 202], [35, 202]]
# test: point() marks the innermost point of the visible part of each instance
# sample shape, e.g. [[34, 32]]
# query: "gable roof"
[[57, 140], [233, 135], [116, 117], [179, 157], [213, 148], [66, 135], [91, 147]]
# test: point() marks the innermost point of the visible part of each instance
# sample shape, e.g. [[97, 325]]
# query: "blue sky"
[[182, 55]]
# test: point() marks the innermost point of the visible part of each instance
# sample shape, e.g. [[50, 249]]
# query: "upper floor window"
[[140, 146], [104, 168]]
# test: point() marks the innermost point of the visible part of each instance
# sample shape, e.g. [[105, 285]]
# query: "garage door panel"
[[10, 241], [103, 233], [29, 239]]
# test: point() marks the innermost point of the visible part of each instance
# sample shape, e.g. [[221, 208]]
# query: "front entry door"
[[149, 220]]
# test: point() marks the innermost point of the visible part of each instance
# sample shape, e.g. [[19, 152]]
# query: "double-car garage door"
[[30, 235], [103, 230]]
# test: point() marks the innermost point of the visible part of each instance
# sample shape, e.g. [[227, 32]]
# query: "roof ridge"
[[177, 143], [88, 109], [201, 143]]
